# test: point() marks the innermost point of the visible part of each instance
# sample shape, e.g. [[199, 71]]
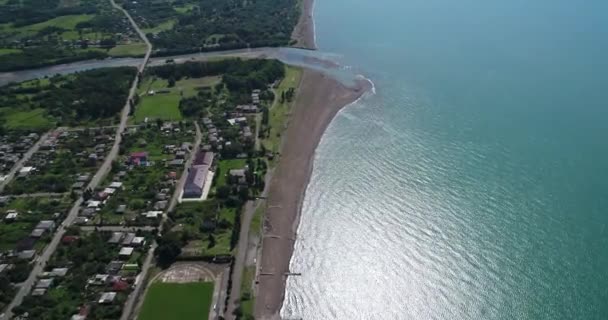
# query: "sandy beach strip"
[[304, 32], [318, 100]]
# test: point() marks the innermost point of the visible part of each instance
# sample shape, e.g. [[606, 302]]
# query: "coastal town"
[[144, 192]]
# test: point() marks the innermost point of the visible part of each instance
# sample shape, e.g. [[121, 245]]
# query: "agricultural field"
[[184, 301]]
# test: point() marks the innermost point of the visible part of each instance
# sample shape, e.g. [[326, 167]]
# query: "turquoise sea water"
[[474, 183]]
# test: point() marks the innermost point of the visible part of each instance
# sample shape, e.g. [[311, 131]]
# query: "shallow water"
[[474, 183]]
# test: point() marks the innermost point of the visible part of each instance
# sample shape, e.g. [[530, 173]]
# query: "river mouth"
[[324, 62]]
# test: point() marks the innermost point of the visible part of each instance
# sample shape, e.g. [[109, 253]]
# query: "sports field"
[[183, 301]]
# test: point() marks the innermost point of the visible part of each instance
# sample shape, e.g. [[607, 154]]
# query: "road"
[[38, 195], [42, 260], [118, 228], [128, 308], [243, 247], [26, 156]]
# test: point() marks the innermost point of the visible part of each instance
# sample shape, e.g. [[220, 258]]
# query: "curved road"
[[41, 261]]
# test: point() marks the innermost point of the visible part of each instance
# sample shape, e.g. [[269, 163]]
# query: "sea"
[[473, 184]]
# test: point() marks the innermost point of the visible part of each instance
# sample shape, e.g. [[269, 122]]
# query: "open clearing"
[[164, 104], [184, 301]]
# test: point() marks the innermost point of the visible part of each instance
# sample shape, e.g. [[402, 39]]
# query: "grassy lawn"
[[247, 298], [279, 112], [128, 49], [184, 301], [4, 51], [31, 119], [256, 221], [224, 167], [68, 22], [163, 106], [167, 25]]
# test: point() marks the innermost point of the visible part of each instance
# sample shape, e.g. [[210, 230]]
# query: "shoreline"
[[304, 33], [318, 100]]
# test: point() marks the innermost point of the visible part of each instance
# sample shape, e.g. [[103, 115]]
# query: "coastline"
[[318, 100], [304, 32]]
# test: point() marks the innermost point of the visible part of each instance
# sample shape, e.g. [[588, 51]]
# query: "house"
[[114, 267], [180, 155], [38, 292], [160, 205], [83, 178], [81, 220], [107, 297], [69, 239], [78, 186], [37, 233], [152, 214], [99, 280], [138, 241], [116, 237], [109, 191], [58, 272], [128, 238], [116, 185], [125, 252], [120, 285], [11, 215], [238, 176], [88, 212], [138, 158], [121, 208], [46, 225], [247, 108], [93, 204], [44, 283], [198, 175], [26, 254], [176, 163], [25, 171]]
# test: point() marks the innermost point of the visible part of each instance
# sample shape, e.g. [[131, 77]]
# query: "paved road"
[[243, 247], [97, 178], [26, 156], [130, 304], [118, 228], [38, 195], [182, 180]]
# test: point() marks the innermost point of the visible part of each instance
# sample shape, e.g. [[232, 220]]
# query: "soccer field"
[[183, 301]]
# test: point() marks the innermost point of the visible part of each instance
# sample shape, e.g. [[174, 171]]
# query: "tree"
[[171, 82]]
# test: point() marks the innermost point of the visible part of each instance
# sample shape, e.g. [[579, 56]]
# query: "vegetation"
[[69, 100], [34, 33], [278, 114], [14, 235], [184, 301], [58, 165], [191, 25], [84, 257]]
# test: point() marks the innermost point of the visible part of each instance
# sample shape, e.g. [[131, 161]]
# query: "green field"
[[128, 49], [183, 301], [167, 25], [4, 51], [68, 22], [165, 106], [279, 112], [31, 119]]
